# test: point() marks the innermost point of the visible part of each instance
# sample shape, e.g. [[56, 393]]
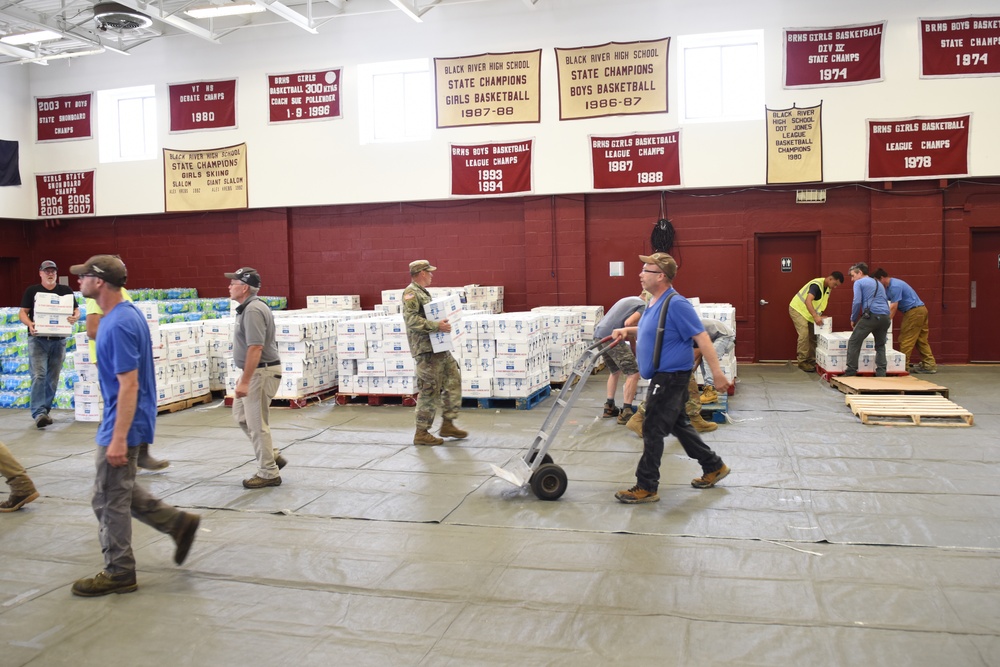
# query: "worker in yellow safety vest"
[[806, 310]]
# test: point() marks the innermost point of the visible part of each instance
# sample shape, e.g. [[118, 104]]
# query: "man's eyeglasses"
[[648, 271]]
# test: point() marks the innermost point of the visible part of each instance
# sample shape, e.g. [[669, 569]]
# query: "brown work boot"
[[147, 462], [634, 423], [708, 480], [449, 430], [18, 500], [703, 426], [103, 583], [184, 533], [709, 395], [422, 437]]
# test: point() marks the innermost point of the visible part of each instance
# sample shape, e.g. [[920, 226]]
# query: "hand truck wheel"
[[549, 482]]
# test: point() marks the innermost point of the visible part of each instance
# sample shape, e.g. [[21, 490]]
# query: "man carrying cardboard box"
[[46, 349], [439, 379]]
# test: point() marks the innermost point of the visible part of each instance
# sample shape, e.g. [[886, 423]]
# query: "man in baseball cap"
[[246, 275], [108, 268]]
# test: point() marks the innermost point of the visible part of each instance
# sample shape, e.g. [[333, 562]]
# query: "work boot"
[[422, 437], [709, 395], [610, 410], [449, 430], [637, 495], [635, 423], [625, 415], [280, 461], [147, 462], [258, 482], [703, 426], [18, 500], [709, 479], [103, 583], [43, 420], [184, 533]]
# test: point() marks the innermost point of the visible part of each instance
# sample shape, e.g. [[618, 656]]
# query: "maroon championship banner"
[[918, 147], [491, 169], [63, 118], [636, 160], [960, 46], [302, 96], [844, 55], [202, 105], [64, 194]]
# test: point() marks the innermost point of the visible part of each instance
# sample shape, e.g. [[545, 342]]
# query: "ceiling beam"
[[289, 14], [531, 3], [409, 7], [171, 19]]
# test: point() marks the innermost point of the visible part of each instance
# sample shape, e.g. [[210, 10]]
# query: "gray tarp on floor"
[[830, 543]]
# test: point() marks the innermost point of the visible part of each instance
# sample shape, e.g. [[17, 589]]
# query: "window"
[[126, 124], [722, 76], [395, 101]]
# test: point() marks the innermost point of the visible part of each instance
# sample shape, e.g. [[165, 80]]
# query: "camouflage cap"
[[666, 263], [419, 265]]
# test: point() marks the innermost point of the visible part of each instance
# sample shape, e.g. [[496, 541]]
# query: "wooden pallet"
[[184, 403], [297, 402], [908, 410], [906, 384], [518, 403], [406, 400]]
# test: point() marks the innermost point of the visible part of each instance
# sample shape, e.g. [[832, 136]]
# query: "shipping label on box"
[[351, 348], [87, 389], [371, 368], [400, 366], [54, 304], [296, 366], [477, 387]]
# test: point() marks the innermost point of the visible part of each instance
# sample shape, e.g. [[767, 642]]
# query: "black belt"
[[675, 373], [51, 337], [268, 364]]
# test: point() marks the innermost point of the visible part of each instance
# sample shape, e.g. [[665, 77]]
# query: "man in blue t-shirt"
[[914, 330], [869, 315], [128, 385], [668, 371]]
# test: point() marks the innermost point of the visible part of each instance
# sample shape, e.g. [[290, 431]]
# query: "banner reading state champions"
[[488, 89], [207, 180]]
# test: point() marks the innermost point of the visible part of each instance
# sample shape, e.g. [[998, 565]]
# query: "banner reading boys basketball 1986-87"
[[488, 89], [795, 145], [613, 79], [207, 180]]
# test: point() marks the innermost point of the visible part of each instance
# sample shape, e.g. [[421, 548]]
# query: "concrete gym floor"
[[831, 543]]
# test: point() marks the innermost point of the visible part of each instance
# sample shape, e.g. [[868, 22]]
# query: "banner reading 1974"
[[960, 46], [636, 160], [488, 89], [795, 145], [919, 147], [491, 169], [838, 56], [64, 194], [613, 79], [205, 180]]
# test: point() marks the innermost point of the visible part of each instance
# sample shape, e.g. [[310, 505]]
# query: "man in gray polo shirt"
[[256, 354], [620, 359]]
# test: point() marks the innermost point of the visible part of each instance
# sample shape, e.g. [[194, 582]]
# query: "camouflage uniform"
[[439, 379]]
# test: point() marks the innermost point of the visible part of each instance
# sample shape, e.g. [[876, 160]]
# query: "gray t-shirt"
[[716, 328], [254, 326], [615, 318]]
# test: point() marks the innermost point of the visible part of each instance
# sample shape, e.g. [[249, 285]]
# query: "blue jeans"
[[46, 356], [665, 399], [723, 345]]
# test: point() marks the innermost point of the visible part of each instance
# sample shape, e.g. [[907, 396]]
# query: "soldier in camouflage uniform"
[[439, 380]]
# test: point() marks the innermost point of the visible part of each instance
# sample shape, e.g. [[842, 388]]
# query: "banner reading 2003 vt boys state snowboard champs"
[[488, 89], [207, 180]]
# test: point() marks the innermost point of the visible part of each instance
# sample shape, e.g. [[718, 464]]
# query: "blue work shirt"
[[900, 293], [123, 345], [681, 326], [868, 295]]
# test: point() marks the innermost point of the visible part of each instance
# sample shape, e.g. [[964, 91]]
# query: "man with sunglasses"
[[45, 353]]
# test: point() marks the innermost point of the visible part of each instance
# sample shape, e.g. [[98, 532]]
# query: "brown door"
[[984, 317], [784, 264]]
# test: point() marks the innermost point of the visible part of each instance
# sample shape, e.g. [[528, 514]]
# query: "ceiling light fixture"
[[227, 9], [33, 37]]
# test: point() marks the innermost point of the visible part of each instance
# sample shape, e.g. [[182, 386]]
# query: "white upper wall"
[[324, 162]]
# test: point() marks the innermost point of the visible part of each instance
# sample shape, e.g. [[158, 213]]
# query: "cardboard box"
[[54, 304]]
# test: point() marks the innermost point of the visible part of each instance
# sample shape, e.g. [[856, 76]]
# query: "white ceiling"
[[81, 35]]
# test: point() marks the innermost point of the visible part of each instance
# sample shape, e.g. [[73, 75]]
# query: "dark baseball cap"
[[48, 264], [245, 275]]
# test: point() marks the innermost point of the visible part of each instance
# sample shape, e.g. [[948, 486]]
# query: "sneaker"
[[103, 583], [709, 395], [184, 534], [17, 501], [609, 411], [709, 479], [43, 420], [636, 495], [280, 461], [625, 415], [258, 482]]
